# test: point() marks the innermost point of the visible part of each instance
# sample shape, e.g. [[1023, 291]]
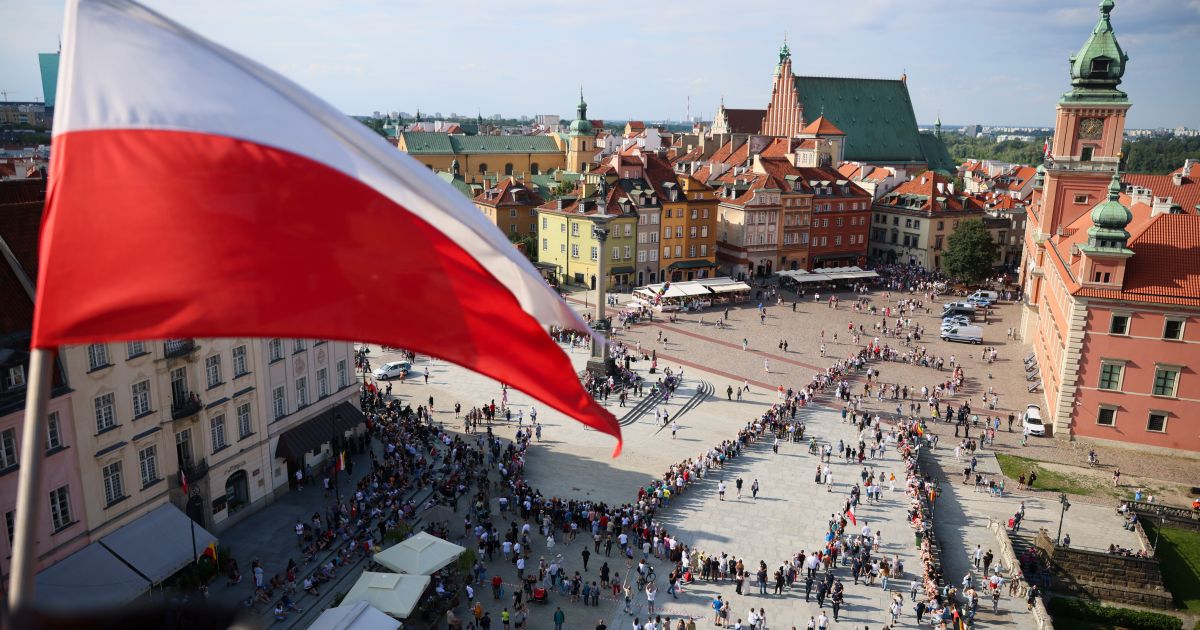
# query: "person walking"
[[559, 618], [738, 485], [586, 555], [754, 490]]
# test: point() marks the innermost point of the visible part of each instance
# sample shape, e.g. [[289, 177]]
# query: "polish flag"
[[850, 515], [195, 193]]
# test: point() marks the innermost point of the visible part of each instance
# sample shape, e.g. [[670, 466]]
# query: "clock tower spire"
[[1089, 128]]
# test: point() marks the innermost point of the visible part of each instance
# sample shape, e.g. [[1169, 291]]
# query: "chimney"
[[922, 180], [1177, 177], [1162, 205], [1187, 166]]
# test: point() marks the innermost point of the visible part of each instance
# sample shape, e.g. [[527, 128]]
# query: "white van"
[[992, 296], [964, 334]]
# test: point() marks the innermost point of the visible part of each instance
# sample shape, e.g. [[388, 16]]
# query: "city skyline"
[[356, 55]]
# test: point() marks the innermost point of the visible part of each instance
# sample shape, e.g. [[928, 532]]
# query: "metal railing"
[[178, 347]]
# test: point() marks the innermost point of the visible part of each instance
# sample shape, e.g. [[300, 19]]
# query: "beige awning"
[[392, 593], [421, 554], [357, 616]]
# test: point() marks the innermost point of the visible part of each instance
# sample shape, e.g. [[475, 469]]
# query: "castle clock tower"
[[1088, 129], [580, 139]]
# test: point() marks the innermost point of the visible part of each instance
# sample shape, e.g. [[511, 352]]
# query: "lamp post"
[[334, 421], [1162, 522], [598, 364], [1066, 505]]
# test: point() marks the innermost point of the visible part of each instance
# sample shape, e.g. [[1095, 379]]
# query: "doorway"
[[237, 492]]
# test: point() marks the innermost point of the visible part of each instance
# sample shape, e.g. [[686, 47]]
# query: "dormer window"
[[1101, 65]]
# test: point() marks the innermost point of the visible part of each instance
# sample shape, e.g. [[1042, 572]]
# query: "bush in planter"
[[1122, 617], [396, 534]]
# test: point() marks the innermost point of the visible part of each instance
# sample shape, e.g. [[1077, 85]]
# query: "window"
[[837, 240], [239, 361], [148, 465], [562, 248], [343, 375], [302, 391], [512, 227], [654, 237], [134, 348], [1106, 416], [667, 232], [679, 251], [1110, 375], [276, 349], [141, 398], [279, 402], [666, 253], [941, 225], [641, 256], [212, 368], [322, 383], [667, 213], [627, 252], [691, 251], [574, 251], [114, 488], [616, 253], [60, 508], [8, 448], [704, 231], [1166, 381], [512, 213], [1157, 422], [1086, 156], [218, 432], [298, 345], [678, 231], [1119, 324], [838, 222], [245, 428], [628, 229], [1173, 328], [16, 377], [595, 253], [545, 223], [106, 417], [97, 356], [545, 244], [704, 250], [574, 229], [53, 432]]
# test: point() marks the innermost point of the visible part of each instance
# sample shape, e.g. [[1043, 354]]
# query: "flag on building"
[[340, 464], [183, 482], [195, 193]]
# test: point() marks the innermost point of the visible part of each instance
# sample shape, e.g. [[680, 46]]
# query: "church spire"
[[1097, 68], [1110, 218]]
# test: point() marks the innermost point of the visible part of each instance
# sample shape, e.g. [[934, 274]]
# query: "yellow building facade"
[[478, 156]]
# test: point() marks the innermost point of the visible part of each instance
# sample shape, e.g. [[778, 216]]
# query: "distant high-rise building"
[[49, 65]]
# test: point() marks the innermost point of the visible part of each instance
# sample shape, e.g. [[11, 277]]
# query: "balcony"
[[195, 471], [178, 347], [184, 405]]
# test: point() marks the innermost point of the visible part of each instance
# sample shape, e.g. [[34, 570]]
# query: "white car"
[[1032, 420], [392, 369]]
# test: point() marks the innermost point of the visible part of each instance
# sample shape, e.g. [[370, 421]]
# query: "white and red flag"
[[195, 193], [850, 515]]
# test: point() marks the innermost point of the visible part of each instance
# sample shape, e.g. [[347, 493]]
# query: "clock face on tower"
[[1091, 128]]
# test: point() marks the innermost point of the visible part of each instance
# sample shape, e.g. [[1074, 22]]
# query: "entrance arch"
[[237, 491]]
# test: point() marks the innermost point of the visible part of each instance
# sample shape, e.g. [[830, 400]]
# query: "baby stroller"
[[539, 595]]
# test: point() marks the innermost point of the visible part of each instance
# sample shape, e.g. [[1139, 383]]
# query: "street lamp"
[[1066, 505], [334, 421], [1162, 522]]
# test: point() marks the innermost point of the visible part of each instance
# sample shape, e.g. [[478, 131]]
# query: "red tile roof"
[[1164, 268], [1186, 194], [501, 195], [926, 185], [822, 126], [636, 125]]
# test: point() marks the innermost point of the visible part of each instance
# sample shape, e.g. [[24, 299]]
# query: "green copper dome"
[[1109, 219], [581, 126], [1097, 68]]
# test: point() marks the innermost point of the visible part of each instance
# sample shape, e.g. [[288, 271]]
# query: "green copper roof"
[[1097, 68], [443, 143], [876, 114], [1109, 219], [581, 126], [461, 186], [936, 153]]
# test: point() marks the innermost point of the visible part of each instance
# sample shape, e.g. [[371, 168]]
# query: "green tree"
[[969, 252]]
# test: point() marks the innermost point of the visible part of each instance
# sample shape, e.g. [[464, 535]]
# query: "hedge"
[[1122, 617]]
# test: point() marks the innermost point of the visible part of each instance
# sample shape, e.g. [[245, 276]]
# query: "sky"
[[1001, 62]]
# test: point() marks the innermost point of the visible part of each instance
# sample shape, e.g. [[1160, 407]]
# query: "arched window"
[[508, 169], [482, 168], [533, 168]]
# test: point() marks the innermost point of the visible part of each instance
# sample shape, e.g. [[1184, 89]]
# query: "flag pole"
[[37, 399]]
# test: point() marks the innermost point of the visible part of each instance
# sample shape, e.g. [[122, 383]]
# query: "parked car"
[[956, 319], [958, 308], [1032, 420], [392, 370], [964, 334], [980, 302]]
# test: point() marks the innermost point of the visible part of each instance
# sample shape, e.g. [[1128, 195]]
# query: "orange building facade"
[[1110, 278]]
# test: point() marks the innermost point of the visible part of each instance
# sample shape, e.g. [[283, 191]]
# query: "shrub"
[[1121, 617]]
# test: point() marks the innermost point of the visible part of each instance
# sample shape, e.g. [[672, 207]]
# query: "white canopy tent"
[[357, 616], [828, 274], [392, 593], [421, 554]]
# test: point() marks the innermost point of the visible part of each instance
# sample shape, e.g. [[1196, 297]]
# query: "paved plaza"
[[792, 511]]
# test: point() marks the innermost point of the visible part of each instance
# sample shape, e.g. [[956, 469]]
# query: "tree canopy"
[[969, 252], [1154, 156]]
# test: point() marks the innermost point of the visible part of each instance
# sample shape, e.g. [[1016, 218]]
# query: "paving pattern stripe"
[[730, 344]]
